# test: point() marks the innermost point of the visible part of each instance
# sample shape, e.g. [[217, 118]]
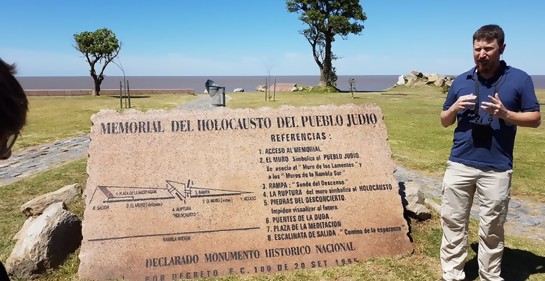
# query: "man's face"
[[486, 54]]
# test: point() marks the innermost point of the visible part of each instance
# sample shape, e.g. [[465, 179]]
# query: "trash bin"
[[216, 92]]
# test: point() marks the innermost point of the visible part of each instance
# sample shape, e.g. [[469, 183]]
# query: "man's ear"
[[502, 48]]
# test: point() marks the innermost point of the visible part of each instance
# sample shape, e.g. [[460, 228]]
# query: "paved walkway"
[[525, 218], [33, 160]]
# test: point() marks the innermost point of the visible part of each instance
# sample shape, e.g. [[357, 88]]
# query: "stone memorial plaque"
[[193, 194]]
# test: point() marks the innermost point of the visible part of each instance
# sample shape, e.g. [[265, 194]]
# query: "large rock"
[[163, 223], [66, 195], [416, 202], [261, 88], [44, 242], [419, 79], [410, 80], [432, 78], [400, 81], [417, 73]]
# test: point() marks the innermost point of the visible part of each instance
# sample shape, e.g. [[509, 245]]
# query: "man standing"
[[13, 110], [488, 102]]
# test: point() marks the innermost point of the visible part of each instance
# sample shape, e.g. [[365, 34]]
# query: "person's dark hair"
[[13, 101], [490, 32]]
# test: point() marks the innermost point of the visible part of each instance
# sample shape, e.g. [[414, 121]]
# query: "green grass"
[[57, 117], [16, 194], [417, 140]]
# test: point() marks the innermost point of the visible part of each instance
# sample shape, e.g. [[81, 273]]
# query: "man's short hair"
[[490, 32], [13, 101]]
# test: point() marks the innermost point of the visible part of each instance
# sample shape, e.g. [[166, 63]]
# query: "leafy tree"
[[325, 20], [99, 48]]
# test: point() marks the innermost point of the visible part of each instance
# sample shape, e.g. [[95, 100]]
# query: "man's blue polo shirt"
[[481, 140]]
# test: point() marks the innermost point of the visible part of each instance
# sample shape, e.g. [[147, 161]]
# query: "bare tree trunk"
[[328, 64], [97, 81], [323, 77], [96, 90]]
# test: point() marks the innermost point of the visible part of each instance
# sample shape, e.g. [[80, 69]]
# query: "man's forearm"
[[522, 119], [448, 117]]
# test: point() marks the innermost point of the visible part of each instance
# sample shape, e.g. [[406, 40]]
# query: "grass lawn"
[[415, 135], [56, 117]]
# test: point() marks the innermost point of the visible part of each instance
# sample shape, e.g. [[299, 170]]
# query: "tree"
[[99, 48], [325, 20]]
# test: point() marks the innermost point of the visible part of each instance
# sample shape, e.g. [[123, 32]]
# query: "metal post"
[[124, 94], [265, 89], [352, 82], [274, 91], [120, 94], [223, 96], [129, 93]]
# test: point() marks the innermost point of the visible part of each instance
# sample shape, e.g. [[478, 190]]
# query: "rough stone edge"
[[436, 207], [106, 112]]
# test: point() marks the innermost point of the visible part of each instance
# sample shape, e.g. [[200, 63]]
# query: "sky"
[[260, 37]]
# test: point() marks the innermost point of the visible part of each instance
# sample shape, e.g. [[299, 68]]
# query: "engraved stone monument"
[[193, 194]]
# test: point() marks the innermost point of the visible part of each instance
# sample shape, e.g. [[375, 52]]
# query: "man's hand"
[[524, 119], [495, 107], [464, 102], [448, 117]]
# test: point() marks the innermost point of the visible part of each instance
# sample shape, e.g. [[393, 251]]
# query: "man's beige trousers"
[[491, 189]]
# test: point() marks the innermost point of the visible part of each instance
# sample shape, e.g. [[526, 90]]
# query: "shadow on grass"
[[355, 98], [362, 92], [132, 97], [517, 265], [394, 94]]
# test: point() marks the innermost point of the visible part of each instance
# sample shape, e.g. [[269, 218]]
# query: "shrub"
[[324, 89]]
